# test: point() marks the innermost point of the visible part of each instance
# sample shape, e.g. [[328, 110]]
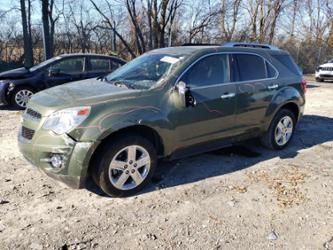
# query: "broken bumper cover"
[[76, 157]]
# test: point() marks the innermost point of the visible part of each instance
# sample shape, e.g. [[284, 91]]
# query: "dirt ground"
[[244, 197]]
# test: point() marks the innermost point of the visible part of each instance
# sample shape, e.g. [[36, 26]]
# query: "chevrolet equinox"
[[168, 103]]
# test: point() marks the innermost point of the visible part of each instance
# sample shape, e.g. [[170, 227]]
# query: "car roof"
[[202, 49], [88, 54]]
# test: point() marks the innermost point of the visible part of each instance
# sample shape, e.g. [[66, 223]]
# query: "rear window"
[[250, 67], [289, 63]]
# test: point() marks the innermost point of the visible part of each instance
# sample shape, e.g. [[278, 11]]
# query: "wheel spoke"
[[136, 176], [118, 165], [121, 180], [278, 136], [131, 153], [284, 139], [286, 122], [280, 126], [143, 161], [289, 130]]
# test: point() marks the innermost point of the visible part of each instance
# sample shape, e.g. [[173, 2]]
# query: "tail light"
[[304, 85]]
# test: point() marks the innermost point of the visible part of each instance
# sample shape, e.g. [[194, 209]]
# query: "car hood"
[[327, 65], [86, 92], [14, 74]]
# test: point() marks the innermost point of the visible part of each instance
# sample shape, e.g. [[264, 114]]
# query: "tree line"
[[34, 30]]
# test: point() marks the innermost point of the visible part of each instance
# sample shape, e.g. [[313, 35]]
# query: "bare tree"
[[229, 18], [26, 27], [48, 21]]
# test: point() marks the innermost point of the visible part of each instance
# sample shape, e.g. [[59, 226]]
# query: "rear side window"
[[99, 64], [208, 71], [288, 62], [271, 72], [115, 64], [250, 67]]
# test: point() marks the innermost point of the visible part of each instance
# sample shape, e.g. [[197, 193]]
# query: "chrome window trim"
[[277, 73]]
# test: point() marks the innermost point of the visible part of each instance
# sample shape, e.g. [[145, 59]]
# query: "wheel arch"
[[145, 131]]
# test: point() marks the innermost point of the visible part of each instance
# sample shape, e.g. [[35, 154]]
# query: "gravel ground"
[[244, 197]]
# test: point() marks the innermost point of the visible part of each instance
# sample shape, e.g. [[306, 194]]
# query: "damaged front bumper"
[[75, 156]]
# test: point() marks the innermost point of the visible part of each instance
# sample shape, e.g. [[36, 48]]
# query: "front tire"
[[21, 96], [126, 165], [319, 79], [281, 130]]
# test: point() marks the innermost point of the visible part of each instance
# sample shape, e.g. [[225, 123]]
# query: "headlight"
[[63, 121]]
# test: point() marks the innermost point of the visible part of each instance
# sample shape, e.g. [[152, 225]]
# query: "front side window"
[[208, 71], [99, 64], [250, 67], [70, 65]]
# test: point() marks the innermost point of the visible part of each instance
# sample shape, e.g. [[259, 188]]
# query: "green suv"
[[168, 103]]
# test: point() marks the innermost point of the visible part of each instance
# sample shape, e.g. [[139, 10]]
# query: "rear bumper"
[[76, 157]]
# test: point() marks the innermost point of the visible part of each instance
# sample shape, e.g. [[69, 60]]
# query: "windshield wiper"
[[119, 83]]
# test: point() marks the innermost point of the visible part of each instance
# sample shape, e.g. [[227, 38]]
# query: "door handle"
[[274, 86], [227, 95]]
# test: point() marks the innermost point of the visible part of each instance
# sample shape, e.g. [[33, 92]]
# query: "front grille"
[[27, 133], [33, 114], [326, 68]]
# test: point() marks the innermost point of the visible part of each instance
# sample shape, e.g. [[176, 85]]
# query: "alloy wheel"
[[129, 167], [284, 130], [22, 97]]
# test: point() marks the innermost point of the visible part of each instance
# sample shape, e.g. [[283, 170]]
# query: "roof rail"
[[200, 44], [251, 45]]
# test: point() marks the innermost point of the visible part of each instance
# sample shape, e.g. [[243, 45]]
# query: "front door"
[[213, 115], [65, 70]]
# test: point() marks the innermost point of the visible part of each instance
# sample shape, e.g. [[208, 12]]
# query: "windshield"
[[145, 71], [42, 64]]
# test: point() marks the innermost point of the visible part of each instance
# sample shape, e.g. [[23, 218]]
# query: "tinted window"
[[289, 63], [70, 65], [250, 67], [99, 64], [115, 64], [208, 71]]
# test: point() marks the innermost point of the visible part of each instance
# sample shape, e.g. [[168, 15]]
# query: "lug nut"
[[135, 165], [125, 166], [127, 172], [130, 162], [132, 171]]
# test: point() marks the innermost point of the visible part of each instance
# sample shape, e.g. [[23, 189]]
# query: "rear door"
[[213, 116], [256, 83], [68, 70]]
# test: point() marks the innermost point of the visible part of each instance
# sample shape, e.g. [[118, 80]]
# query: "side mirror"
[[53, 72], [185, 95]]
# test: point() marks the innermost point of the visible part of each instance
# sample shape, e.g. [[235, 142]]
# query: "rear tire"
[[281, 130], [21, 96], [319, 79], [125, 165]]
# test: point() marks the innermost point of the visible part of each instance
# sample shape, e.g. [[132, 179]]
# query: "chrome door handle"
[[228, 95], [274, 86]]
